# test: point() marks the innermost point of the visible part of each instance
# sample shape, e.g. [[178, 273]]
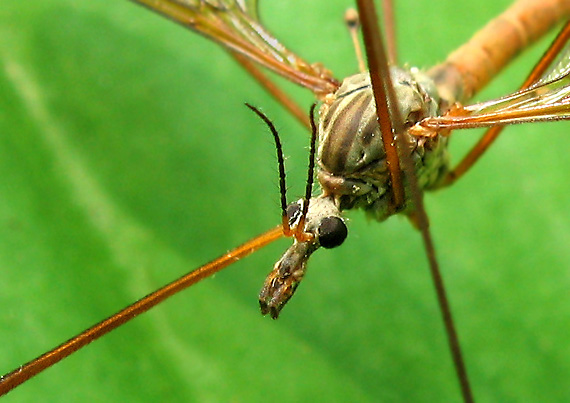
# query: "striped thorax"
[[351, 154]]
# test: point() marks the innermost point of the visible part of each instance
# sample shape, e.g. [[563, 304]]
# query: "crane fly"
[[79, 208]]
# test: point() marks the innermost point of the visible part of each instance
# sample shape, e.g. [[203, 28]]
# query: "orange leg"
[[389, 24], [273, 89]]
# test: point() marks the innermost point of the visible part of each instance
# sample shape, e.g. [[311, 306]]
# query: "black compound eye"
[[293, 212], [332, 232]]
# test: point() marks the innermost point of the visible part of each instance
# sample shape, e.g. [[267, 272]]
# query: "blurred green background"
[[128, 158]]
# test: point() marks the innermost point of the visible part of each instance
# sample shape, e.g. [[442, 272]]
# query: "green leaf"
[[128, 159]]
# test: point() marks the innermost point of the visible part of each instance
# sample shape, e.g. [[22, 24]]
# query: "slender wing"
[[559, 67], [547, 99], [250, 7], [235, 25]]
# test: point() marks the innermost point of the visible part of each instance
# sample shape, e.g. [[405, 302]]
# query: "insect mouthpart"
[[325, 223]]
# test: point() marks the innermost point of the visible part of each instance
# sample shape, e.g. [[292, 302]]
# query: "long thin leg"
[[352, 21], [384, 95], [379, 72], [491, 135], [34, 367], [273, 89], [389, 21]]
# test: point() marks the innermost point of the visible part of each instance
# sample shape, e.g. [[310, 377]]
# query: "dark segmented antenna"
[[300, 234], [281, 163]]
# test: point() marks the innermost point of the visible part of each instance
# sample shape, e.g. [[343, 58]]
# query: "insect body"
[[353, 170], [501, 232], [351, 153]]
